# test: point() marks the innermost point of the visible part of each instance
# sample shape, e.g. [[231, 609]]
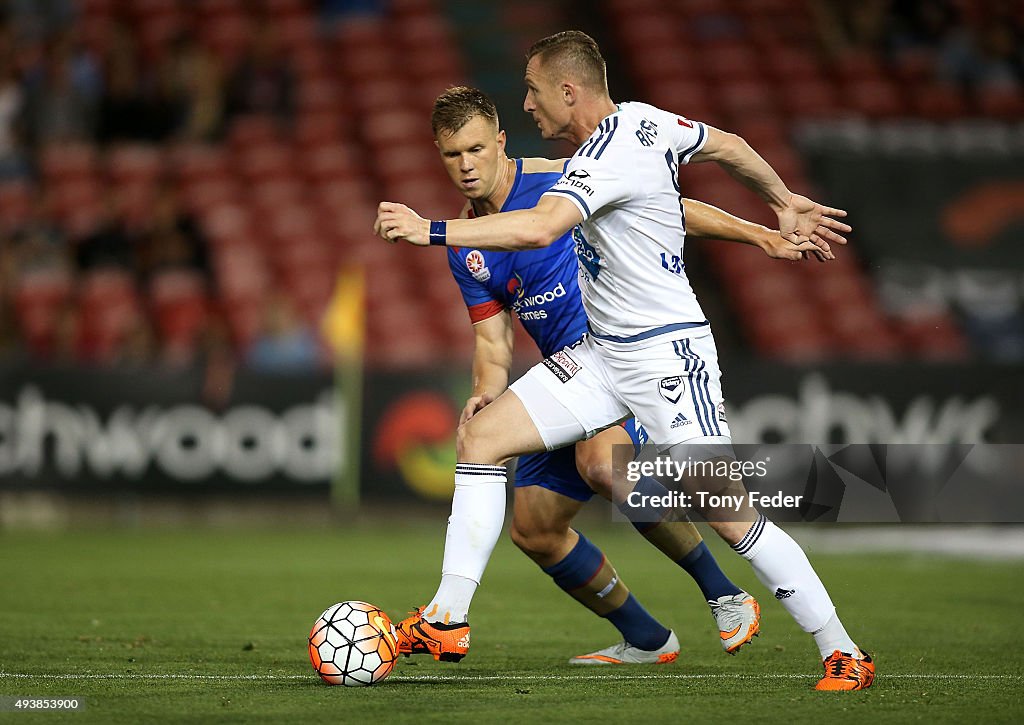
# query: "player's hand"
[[804, 220], [775, 246], [474, 405], [397, 221]]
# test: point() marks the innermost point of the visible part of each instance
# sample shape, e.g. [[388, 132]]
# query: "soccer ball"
[[353, 644]]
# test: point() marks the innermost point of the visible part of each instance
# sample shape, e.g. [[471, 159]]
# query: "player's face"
[[545, 101], [472, 156]]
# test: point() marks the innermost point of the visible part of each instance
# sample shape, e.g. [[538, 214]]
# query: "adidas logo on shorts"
[[781, 593], [680, 421]]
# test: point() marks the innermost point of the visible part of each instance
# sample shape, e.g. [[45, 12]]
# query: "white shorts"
[[673, 388]]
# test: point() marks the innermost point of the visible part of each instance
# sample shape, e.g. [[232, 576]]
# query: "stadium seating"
[[759, 72], [283, 203]]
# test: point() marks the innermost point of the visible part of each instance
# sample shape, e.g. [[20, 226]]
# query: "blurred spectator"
[[332, 11], [263, 81], [846, 26], [136, 107], [196, 81], [40, 18], [13, 161], [139, 345], [171, 240], [66, 346], [39, 243], [58, 109], [284, 344], [109, 245], [979, 50]]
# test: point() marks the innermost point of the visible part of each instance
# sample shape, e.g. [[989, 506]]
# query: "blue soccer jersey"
[[541, 286]]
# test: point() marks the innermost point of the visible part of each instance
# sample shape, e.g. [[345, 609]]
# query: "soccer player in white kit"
[[650, 351]]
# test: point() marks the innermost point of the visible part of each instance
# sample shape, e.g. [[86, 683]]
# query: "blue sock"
[[637, 626], [701, 565], [587, 576], [647, 516]]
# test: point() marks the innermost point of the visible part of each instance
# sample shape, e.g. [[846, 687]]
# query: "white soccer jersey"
[[630, 244]]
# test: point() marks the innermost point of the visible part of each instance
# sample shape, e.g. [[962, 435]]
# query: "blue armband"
[[439, 234]]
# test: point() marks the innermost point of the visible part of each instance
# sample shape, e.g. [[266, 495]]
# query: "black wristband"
[[439, 234]]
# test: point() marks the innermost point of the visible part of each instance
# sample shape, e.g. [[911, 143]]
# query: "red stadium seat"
[[255, 130], [319, 130], [66, 162], [299, 34], [792, 64], [810, 99], [730, 62], [387, 128], [198, 162], [180, 308], [1002, 102], [110, 310], [134, 163], [376, 95], [280, 9], [67, 198], [328, 163], [938, 102], [39, 297], [321, 95], [268, 162], [748, 98], [876, 98]]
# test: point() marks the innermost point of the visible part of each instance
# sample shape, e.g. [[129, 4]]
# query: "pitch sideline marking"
[[482, 678]]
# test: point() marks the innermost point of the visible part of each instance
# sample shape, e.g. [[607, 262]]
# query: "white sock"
[[478, 513], [451, 603], [833, 637], [781, 565]]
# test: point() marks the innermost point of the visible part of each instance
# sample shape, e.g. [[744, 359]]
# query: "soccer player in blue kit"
[[648, 339], [541, 288]]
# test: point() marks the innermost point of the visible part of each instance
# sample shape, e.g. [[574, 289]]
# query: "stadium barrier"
[[150, 431]]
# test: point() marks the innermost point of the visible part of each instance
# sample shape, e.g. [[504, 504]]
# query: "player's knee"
[[534, 541], [472, 447], [596, 471]]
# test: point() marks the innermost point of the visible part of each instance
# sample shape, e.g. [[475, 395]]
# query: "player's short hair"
[[574, 54], [457, 106]]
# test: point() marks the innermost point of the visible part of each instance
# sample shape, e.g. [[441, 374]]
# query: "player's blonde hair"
[[459, 105], [574, 55]]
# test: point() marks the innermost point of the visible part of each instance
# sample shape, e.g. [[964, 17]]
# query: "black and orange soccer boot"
[[445, 642], [845, 672]]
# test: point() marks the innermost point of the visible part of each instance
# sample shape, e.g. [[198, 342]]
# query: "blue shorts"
[[556, 470]]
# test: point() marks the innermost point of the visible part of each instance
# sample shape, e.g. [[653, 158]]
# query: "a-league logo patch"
[[721, 412], [562, 366], [477, 266], [671, 389]]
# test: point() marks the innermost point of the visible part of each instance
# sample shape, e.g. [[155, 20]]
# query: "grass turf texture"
[[121, 611]]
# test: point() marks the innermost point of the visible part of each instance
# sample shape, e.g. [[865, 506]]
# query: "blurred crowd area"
[[974, 46], [179, 180]]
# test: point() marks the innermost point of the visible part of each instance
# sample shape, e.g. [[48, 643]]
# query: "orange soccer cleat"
[[845, 672], [446, 642]]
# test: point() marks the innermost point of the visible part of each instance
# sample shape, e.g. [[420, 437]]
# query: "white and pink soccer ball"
[[353, 644]]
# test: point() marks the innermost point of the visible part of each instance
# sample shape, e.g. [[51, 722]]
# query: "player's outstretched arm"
[[704, 221], [492, 361], [523, 229], [800, 219]]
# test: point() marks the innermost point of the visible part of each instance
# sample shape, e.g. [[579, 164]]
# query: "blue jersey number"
[[672, 262], [590, 260]]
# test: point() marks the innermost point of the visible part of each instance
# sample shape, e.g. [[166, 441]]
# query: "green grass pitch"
[[210, 626]]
